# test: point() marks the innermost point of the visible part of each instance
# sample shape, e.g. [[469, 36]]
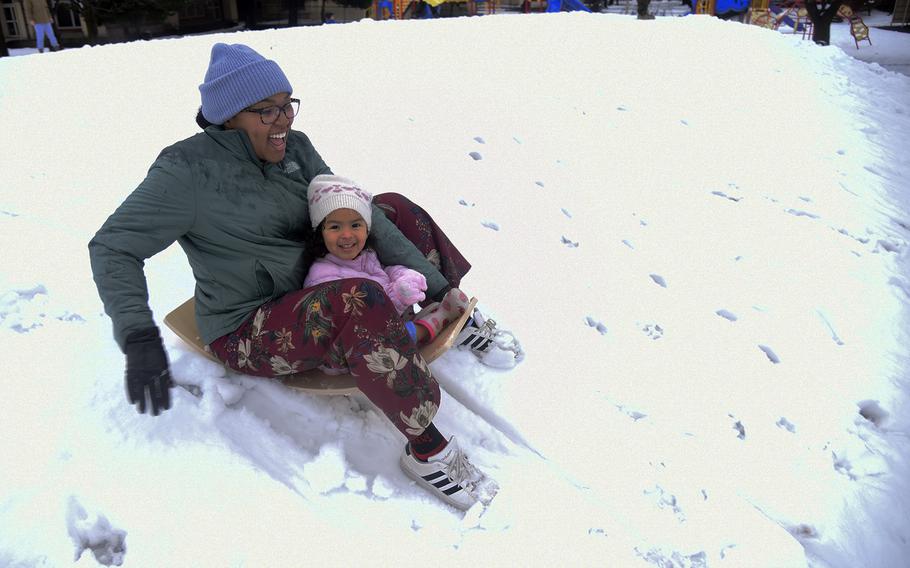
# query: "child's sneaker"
[[483, 338], [450, 476]]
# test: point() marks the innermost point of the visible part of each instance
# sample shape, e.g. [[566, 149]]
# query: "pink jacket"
[[404, 286]]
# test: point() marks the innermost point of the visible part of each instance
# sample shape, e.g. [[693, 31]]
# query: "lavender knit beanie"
[[236, 78]]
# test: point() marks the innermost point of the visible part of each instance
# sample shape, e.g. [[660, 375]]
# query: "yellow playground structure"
[[402, 9]]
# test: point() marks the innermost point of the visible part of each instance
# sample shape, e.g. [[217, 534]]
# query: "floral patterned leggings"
[[351, 326]]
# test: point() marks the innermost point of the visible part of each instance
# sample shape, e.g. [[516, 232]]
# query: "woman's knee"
[[361, 295], [391, 198]]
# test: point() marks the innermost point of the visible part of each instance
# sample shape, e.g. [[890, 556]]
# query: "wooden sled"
[[182, 321]]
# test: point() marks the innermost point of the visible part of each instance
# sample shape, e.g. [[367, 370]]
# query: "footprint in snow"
[[569, 242], [599, 326], [465, 203], [843, 466], [490, 225], [803, 532], [873, 412], [726, 196], [566, 212], [738, 426], [666, 500], [653, 330], [25, 309], [786, 424], [631, 413], [659, 280], [802, 213], [475, 155], [727, 315], [540, 183], [479, 140], [772, 356], [107, 543]]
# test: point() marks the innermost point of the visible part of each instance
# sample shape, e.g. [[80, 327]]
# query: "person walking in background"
[[39, 16]]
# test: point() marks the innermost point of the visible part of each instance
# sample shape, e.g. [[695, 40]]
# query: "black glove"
[[148, 378]]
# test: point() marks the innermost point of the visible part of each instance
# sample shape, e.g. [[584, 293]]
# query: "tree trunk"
[[91, 22], [822, 16], [4, 52], [292, 12], [643, 10], [52, 6]]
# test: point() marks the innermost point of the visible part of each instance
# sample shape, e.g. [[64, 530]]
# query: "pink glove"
[[407, 286]]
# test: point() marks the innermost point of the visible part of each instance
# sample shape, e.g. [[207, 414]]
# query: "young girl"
[[341, 214]]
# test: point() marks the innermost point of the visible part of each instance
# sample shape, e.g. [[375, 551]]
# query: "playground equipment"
[[765, 18], [797, 17], [720, 7], [403, 9], [389, 9], [572, 5], [858, 28]]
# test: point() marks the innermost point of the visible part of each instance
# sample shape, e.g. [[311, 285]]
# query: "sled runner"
[[182, 321]]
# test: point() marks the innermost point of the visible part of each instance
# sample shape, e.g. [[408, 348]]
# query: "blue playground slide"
[[722, 7], [725, 6], [556, 5]]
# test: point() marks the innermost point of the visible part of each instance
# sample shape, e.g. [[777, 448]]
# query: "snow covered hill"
[[697, 229]]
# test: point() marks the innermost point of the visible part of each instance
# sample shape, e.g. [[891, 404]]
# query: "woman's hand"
[[148, 377]]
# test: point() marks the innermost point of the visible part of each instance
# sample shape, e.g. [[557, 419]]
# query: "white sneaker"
[[481, 337], [450, 476]]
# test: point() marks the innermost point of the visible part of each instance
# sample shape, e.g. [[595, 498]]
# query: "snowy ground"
[[697, 229]]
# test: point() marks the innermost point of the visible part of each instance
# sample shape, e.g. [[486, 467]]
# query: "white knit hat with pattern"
[[327, 193]]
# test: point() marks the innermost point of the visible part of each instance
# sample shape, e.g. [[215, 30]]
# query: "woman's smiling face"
[[269, 140]]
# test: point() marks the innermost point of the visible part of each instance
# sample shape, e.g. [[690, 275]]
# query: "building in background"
[[74, 26]]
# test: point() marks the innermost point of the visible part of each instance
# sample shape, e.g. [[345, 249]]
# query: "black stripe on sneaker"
[[442, 483], [434, 475], [452, 490]]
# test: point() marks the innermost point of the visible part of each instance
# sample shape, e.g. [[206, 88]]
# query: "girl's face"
[[345, 233], [269, 140]]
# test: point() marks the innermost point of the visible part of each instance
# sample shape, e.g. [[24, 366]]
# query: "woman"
[[235, 198]]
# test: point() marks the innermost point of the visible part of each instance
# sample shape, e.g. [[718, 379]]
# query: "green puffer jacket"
[[241, 223]]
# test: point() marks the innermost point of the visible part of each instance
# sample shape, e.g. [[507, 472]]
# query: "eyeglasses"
[[269, 115]]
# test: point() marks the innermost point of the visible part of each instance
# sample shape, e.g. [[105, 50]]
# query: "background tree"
[[134, 14], [822, 14], [86, 11], [360, 4], [292, 12], [643, 10], [3, 51]]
